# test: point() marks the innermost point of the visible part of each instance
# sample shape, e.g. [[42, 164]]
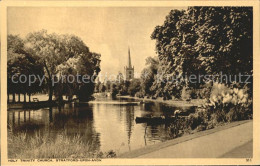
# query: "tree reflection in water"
[[106, 127]]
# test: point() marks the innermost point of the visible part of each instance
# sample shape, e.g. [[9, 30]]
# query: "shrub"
[[178, 128], [185, 93], [225, 104], [139, 94], [229, 104], [198, 120], [204, 92]]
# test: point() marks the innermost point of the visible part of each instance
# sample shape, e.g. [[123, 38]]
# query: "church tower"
[[129, 70]]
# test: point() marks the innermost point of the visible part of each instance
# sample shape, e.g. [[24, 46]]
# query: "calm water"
[[108, 127]]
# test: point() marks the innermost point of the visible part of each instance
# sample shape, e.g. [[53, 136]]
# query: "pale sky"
[[108, 31]]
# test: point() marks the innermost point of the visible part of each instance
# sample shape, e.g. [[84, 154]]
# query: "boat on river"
[[162, 119], [157, 120]]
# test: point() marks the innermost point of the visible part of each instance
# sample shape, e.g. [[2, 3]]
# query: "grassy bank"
[[24, 146], [177, 103]]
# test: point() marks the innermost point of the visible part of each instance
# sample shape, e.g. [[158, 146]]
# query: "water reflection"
[[108, 127]]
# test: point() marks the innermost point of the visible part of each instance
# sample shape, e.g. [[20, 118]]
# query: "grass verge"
[[24, 146]]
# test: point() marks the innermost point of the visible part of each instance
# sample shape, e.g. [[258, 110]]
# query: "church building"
[[129, 70]]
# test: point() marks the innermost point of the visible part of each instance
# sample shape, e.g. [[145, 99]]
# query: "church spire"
[[129, 69], [129, 58]]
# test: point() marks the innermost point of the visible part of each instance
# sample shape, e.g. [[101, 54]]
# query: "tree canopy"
[[20, 62], [56, 56], [203, 40]]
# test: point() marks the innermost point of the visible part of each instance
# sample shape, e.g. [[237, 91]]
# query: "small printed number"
[[248, 160]]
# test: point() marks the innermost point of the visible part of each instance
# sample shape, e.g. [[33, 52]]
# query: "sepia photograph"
[[91, 83]]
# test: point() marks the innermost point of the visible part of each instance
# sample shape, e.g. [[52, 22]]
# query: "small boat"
[[154, 120], [162, 119]]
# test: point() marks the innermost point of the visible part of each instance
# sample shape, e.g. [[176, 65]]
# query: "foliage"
[[148, 75], [229, 104], [64, 55], [199, 120], [139, 94], [114, 90], [102, 88], [134, 87], [185, 93], [178, 128], [226, 104], [202, 40], [19, 63]]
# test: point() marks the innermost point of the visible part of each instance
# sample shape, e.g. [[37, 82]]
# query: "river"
[[106, 126]]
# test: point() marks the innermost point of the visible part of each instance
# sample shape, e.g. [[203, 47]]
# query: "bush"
[[229, 104], [198, 120], [205, 91], [226, 104], [178, 128], [185, 93], [139, 94]]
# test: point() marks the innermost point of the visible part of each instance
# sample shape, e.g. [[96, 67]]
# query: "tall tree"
[[64, 54], [49, 51], [202, 40], [134, 87], [148, 75], [20, 63]]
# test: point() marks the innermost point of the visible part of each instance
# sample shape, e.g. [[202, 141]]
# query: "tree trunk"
[[60, 98], [50, 92], [70, 98], [49, 82], [13, 97], [19, 97], [29, 97], [24, 100], [60, 90]]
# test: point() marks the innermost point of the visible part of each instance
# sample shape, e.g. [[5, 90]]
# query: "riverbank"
[[31, 105], [23, 146], [219, 142], [177, 103]]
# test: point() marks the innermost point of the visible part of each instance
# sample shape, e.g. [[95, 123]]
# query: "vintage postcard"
[[130, 82]]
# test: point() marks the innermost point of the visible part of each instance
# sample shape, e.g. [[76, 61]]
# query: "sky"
[[105, 30]]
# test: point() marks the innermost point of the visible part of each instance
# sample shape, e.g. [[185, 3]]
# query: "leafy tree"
[[108, 85], [202, 40], [20, 63], [97, 85], [50, 52], [114, 90], [102, 88], [148, 75], [134, 87], [64, 55], [168, 45], [120, 78], [224, 39]]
